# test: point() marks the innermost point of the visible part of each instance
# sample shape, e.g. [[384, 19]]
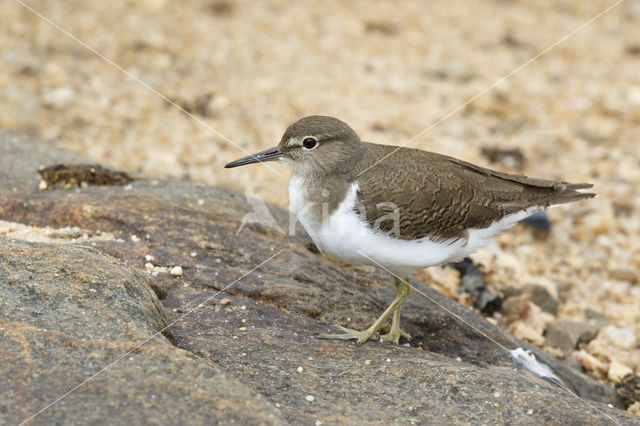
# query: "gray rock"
[[236, 362], [69, 313], [566, 335], [541, 297], [538, 221]]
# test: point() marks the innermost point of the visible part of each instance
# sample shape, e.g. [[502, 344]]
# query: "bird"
[[398, 208]]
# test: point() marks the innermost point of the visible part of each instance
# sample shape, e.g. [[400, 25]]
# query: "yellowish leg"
[[403, 290]]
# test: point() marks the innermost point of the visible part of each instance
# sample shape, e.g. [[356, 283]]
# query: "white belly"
[[344, 235]]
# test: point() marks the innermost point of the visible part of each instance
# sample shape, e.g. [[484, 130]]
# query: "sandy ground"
[[393, 70]]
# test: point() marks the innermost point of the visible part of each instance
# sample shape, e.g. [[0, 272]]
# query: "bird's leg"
[[403, 290]]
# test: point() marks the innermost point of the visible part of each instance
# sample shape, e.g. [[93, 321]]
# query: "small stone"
[[388, 359], [148, 266], [623, 338], [149, 258], [201, 306], [193, 254], [541, 297], [309, 398], [455, 70], [589, 362], [299, 369], [367, 362], [200, 202], [42, 185], [235, 337], [58, 98], [176, 271], [566, 335], [617, 371], [225, 301], [243, 329], [629, 389], [634, 408], [135, 238], [538, 221]]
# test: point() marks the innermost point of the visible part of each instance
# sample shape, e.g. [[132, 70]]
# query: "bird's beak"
[[259, 157]]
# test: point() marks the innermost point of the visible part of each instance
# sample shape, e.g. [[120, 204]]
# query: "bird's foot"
[[350, 334], [394, 335]]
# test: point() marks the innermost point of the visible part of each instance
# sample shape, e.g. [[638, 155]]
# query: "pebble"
[[309, 398], [565, 335], [148, 266], [243, 329], [225, 301], [624, 338], [541, 297], [367, 362], [176, 271], [299, 369], [58, 98], [149, 258], [617, 371], [589, 362], [135, 238]]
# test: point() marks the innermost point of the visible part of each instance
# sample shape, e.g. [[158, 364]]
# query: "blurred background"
[[245, 70]]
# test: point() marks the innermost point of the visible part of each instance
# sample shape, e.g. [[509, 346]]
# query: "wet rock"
[[473, 283], [566, 335], [67, 176], [279, 296], [538, 221], [629, 389]]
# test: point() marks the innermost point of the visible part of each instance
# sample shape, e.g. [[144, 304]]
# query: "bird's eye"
[[309, 143]]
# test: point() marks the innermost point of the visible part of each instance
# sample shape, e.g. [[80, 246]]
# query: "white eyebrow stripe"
[[292, 142]]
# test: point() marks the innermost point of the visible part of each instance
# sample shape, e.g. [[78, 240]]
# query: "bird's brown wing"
[[440, 197]]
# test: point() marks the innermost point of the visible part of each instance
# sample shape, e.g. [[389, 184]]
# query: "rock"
[[623, 338], [513, 158], [456, 71], [473, 283], [629, 389], [237, 362], [538, 221], [70, 312], [566, 335], [58, 98], [617, 371], [589, 362], [541, 297]]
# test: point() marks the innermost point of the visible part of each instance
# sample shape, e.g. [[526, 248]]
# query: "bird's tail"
[[568, 193]]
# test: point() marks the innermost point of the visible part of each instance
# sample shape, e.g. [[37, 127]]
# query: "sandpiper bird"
[[409, 211]]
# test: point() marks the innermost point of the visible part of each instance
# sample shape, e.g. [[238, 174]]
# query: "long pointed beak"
[[259, 157]]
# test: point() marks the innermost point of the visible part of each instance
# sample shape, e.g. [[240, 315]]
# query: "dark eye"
[[309, 143]]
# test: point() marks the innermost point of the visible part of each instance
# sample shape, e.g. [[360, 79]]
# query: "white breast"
[[344, 235]]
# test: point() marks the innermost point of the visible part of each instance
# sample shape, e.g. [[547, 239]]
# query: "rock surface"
[[565, 335], [253, 358]]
